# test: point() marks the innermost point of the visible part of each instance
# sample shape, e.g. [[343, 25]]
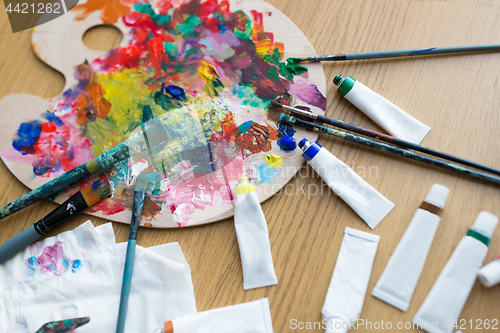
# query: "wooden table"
[[457, 95]]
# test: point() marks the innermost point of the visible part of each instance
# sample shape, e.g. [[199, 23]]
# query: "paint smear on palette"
[[52, 260], [266, 173], [181, 55], [274, 160]]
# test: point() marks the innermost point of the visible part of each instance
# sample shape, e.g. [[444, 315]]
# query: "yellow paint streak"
[[274, 160], [208, 72]]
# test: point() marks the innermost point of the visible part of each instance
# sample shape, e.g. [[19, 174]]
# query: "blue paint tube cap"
[[310, 150]]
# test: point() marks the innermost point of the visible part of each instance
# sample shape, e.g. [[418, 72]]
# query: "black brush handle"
[[69, 208]]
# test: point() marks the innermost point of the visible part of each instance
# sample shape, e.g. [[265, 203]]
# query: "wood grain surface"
[[457, 95]]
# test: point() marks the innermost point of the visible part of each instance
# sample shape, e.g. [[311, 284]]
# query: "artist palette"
[[209, 69]]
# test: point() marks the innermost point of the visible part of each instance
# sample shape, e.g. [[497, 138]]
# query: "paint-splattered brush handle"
[[405, 144], [139, 197], [71, 177], [401, 53], [386, 138], [391, 149], [63, 326]]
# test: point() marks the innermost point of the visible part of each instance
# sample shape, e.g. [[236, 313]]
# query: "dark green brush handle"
[[392, 149], [403, 143], [71, 177]]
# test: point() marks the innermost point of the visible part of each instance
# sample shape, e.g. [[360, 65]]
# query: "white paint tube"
[[387, 115], [440, 311], [250, 317], [346, 293], [369, 204], [489, 275], [400, 277], [253, 238]]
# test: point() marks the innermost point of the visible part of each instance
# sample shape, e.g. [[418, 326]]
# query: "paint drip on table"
[[179, 55]]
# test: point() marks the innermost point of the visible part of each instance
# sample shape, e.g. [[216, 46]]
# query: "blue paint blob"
[[52, 267], [77, 265], [42, 166], [176, 92], [266, 173], [245, 126], [287, 143], [27, 136], [285, 129], [31, 262], [53, 119]]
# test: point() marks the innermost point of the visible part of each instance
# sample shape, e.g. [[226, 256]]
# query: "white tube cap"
[[485, 224], [489, 275], [437, 195]]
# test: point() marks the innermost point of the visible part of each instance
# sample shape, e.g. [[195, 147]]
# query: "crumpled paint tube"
[[250, 317], [489, 275], [369, 204], [253, 238], [443, 305], [400, 277], [387, 115], [346, 293]]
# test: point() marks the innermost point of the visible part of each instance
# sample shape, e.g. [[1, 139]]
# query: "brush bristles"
[[96, 191], [141, 184]]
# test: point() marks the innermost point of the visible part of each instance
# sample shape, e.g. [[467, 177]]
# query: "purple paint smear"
[[52, 260], [308, 93]]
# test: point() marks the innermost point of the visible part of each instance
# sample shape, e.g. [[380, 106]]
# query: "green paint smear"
[[147, 9], [293, 60], [273, 59], [246, 95], [243, 20], [294, 67], [187, 28]]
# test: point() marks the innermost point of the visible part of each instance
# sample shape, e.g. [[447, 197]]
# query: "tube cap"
[[437, 195], [243, 180], [311, 151], [485, 224], [489, 275]]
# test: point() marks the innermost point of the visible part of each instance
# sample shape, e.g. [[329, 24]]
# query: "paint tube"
[[251, 317], [346, 293], [489, 275], [440, 311], [400, 277], [369, 204], [387, 115], [253, 238]]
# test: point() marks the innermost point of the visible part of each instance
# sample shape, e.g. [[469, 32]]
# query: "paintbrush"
[[130, 147], [398, 53], [76, 204], [141, 186], [384, 137], [63, 326], [391, 149]]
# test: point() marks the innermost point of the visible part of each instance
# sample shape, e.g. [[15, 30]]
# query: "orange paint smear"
[[91, 104], [111, 10]]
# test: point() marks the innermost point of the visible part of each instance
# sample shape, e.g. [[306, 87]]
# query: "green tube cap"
[[344, 84]]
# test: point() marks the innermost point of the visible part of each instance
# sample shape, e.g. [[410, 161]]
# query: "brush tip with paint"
[[141, 183], [296, 60], [97, 191]]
